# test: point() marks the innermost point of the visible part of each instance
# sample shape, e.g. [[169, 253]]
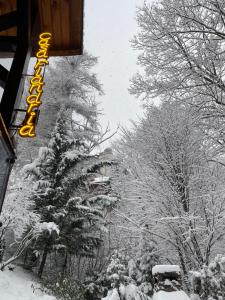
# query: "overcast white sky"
[[109, 27]]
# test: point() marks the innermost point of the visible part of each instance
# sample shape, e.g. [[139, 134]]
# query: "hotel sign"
[[36, 87]]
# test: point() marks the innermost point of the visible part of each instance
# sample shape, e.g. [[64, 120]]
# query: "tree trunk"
[[25, 257], [43, 261], [2, 249], [64, 267]]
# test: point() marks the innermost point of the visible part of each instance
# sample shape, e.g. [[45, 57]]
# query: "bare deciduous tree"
[[166, 158], [182, 47]]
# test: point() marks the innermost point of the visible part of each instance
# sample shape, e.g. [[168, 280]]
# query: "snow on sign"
[[36, 84]]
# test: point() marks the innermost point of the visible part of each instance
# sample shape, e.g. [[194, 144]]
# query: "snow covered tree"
[[117, 270], [16, 214], [125, 278], [122, 286], [182, 50], [209, 282], [147, 258], [70, 81], [172, 176], [182, 56], [59, 178], [115, 275]]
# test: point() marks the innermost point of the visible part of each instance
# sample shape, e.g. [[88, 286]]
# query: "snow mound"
[[178, 295], [18, 285], [160, 269]]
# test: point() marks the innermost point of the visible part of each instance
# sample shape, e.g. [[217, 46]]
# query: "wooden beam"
[[8, 44], [7, 157], [3, 76], [4, 133], [15, 83], [64, 52], [8, 20]]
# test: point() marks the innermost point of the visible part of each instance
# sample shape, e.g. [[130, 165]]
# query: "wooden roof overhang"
[[62, 18]]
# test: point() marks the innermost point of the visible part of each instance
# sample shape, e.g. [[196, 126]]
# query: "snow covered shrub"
[[116, 274], [147, 258], [65, 288], [117, 271], [125, 277], [209, 282], [96, 287]]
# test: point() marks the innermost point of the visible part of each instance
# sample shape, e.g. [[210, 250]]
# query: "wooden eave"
[[62, 18]]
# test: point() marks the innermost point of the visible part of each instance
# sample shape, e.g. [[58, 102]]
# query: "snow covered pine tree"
[[59, 175]]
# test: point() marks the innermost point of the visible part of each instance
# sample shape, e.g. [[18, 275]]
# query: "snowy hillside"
[[18, 285]]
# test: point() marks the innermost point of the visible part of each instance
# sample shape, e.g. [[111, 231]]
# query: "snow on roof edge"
[[160, 269]]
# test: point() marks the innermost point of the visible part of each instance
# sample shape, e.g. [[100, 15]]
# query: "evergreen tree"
[[147, 257], [60, 176], [117, 271], [111, 279]]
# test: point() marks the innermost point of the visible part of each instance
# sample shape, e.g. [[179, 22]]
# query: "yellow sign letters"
[[36, 84]]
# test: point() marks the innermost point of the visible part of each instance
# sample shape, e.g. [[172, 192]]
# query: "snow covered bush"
[[125, 278], [117, 270], [96, 286], [208, 283], [116, 274], [64, 288], [147, 257]]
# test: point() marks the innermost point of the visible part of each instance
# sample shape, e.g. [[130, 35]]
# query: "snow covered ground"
[[178, 295], [19, 285], [131, 292]]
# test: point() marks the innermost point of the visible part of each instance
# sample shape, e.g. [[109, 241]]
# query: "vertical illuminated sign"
[[36, 87]]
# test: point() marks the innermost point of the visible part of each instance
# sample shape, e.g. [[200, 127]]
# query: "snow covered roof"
[[101, 179], [160, 269]]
